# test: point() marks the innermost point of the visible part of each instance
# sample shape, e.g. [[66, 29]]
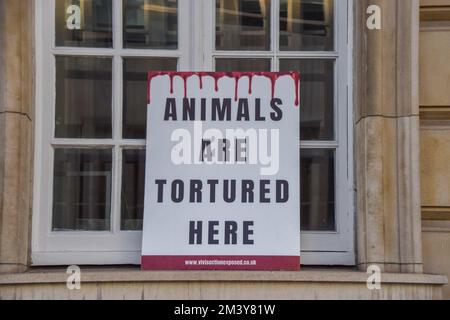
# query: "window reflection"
[[317, 190], [150, 24], [243, 25], [83, 23], [135, 92], [316, 96], [83, 97], [306, 25], [82, 190], [133, 181], [244, 65]]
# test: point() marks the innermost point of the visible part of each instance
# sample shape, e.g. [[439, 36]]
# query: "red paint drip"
[[250, 79], [296, 76], [171, 83], [273, 80], [272, 76], [236, 86], [216, 84], [185, 78]]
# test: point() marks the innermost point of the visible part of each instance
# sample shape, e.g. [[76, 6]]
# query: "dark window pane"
[[244, 65], [135, 92], [83, 97], [317, 190], [150, 24], [132, 199], [316, 97], [83, 23], [306, 25], [82, 190], [243, 25]]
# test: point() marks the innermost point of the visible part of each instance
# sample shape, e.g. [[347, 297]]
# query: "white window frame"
[[195, 52], [80, 247], [318, 248]]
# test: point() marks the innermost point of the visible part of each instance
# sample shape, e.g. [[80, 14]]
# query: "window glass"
[[83, 97], [150, 24], [133, 182], [243, 25], [97, 92], [244, 65], [82, 190], [316, 96], [83, 23], [306, 25], [135, 92], [317, 190]]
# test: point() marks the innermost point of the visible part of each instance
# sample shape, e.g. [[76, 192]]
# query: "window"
[[92, 58], [310, 36]]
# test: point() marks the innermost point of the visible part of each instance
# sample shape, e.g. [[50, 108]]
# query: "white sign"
[[222, 172]]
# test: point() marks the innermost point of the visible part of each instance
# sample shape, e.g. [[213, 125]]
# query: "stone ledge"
[[117, 275], [111, 283]]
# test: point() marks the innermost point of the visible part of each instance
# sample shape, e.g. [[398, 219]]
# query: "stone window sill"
[[134, 274]]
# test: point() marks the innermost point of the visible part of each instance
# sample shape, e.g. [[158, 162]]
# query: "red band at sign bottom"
[[272, 263]]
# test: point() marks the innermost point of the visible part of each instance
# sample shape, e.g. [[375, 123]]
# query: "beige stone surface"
[[434, 68], [435, 166], [387, 60], [134, 284], [15, 170], [221, 291], [16, 139], [17, 56], [370, 225], [436, 248], [435, 136], [387, 137], [389, 212], [442, 3]]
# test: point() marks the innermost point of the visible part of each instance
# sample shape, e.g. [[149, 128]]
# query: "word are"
[[234, 146]]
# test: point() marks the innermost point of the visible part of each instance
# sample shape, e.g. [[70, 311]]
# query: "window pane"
[[151, 24], [243, 25], [317, 190], [133, 179], [306, 25], [83, 23], [82, 190], [244, 65], [316, 97], [135, 92], [83, 97]]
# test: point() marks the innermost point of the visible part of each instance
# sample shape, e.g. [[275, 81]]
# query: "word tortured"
[[247, 191]]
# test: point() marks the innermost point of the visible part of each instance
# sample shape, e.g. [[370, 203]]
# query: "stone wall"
[[16, 131], [387, 137], [135, 284], [435, 135]]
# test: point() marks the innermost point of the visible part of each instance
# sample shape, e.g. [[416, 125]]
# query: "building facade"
[[374, 142]]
